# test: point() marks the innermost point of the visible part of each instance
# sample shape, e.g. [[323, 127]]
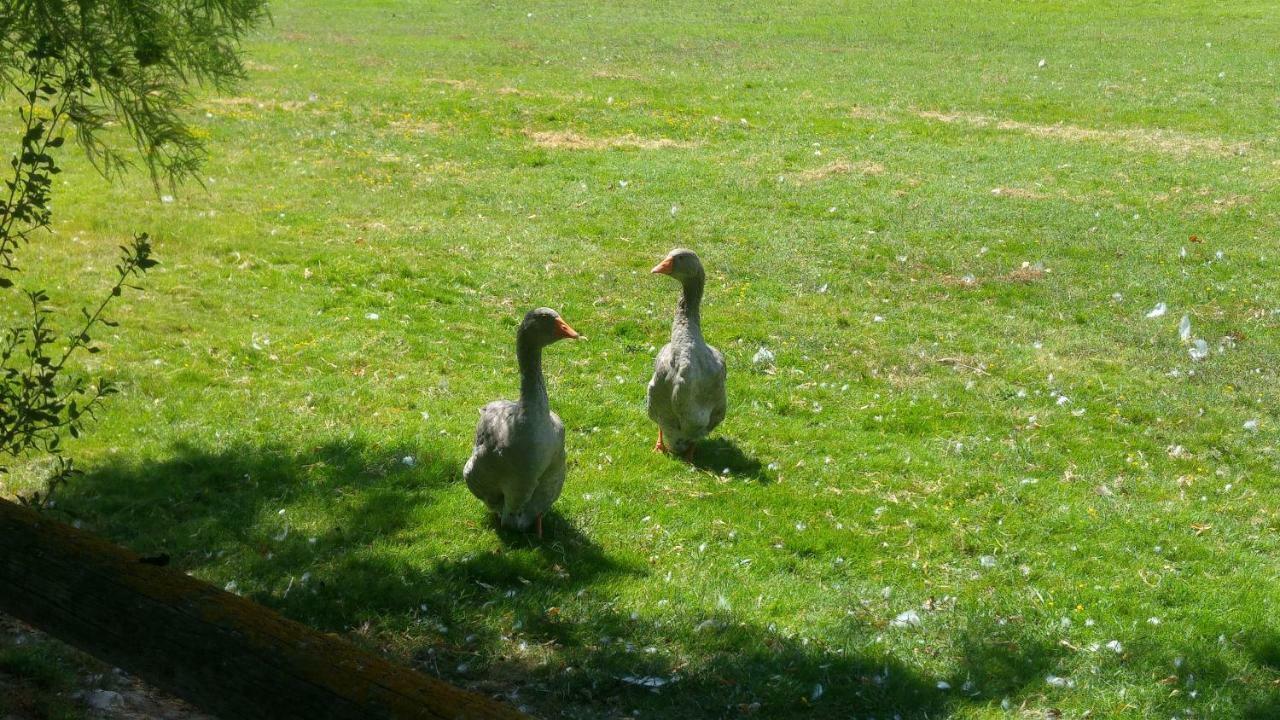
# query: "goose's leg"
[[688, 453], [539, 521], [661, 446]]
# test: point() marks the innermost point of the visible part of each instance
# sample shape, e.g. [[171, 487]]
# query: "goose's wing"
[[493, 432], [489, 464], [717, 397], [558, 425], [662, 389], [551, 482]]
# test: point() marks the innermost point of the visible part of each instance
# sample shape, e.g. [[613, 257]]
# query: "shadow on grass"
[[558, 532], [1264, 648], [198, 499], [723, 457], [538, 622]]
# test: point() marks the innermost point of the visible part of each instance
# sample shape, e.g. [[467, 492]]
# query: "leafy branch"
[[80, 69], [136, 60], [39, 406]]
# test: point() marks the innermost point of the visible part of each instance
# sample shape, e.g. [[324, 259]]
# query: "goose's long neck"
[[688, 322], [533, 391]]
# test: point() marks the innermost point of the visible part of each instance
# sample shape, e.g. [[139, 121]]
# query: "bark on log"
[[223, 653]]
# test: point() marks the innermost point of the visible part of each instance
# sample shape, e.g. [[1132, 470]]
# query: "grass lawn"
[[980, 481]]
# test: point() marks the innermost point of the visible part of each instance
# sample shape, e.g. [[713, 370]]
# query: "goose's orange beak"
[[564, 331], [664, 267]]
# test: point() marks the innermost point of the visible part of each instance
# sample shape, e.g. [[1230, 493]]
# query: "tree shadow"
[[1196, 680], [1264, 648], [999, 660], [196, 500], [1198, 677], [733, 669], [726, 669], [327, 536], [722, 456], [324, 535], [1262, 696], [539, 621], [558, 533]]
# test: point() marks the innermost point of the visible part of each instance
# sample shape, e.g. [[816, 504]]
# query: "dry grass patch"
[[257, 103], [569, 140], [414, 126], [1165, 141], [455, 84], [1206, 203], [839, 167], [1025, 275], [1021, 193], [866, 113], [236, 101], [964, 363], [1225, 204], [615, 75], [965, 281]]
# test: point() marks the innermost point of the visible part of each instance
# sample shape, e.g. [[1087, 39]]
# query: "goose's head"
[[681, 264], [545, 326]]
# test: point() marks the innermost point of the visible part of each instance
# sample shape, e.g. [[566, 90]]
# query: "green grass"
[[385, 157], [36, 680]]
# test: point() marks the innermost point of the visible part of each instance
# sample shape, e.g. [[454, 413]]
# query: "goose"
[[517, 467], [686, 395]]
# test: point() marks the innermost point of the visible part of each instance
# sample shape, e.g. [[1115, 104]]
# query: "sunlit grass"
[[949, 246]]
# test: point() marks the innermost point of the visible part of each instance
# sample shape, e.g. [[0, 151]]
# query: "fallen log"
[[223, 653]]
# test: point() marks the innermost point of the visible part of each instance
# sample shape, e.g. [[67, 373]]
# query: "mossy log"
[[223, 653]]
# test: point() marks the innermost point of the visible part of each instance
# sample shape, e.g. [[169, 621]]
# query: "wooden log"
[[221, 652]]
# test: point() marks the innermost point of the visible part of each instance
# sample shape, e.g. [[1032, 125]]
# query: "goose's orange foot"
[[688, 454], [660, 446]]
